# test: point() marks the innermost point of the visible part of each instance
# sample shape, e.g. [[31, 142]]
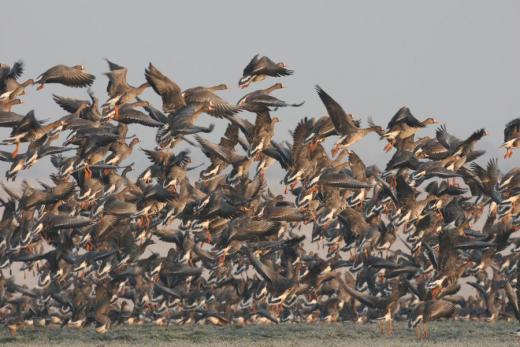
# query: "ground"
[[448, 333]]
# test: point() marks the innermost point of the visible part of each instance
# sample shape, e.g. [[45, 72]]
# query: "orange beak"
[[116, 112]]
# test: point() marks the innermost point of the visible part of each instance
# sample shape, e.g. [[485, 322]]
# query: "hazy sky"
[[454, 60]]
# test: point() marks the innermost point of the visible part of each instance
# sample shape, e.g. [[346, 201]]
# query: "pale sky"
[[454, 60]]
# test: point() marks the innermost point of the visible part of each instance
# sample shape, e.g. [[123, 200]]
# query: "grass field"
[[449, 333]]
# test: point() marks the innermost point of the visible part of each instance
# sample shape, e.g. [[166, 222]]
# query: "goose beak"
[[244, 82]]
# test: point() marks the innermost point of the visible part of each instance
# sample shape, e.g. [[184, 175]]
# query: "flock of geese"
[[380, 244]]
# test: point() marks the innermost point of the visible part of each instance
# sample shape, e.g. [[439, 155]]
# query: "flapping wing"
[[445, 139], [68, 76], [339, 117], [169, 91], [70, 105]]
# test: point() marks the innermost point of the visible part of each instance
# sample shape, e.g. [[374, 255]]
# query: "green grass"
[[448, 333]]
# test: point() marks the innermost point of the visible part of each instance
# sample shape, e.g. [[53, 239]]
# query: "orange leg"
[[435, 291], [15, 152], [87, 172], [221, 260], [388, 147], [392, 181], [12, 330], [89, 246], [390, 328], [334, 151], [426, 331], [40, 87], [116, 112]]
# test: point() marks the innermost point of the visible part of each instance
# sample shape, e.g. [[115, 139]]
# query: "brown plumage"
[[75, 76], [261, 67], [511, 137], [169, 91]]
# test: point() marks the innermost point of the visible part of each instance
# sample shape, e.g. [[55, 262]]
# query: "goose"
[[170, 92], [120, 151], [181, 123], [385, 304], [28, 129], [459, 152], [345, 126], [10, 88], [511, 137], [88, 110], [118, 89], [261, 67], [262, 133], [228, 141], [75, 76], [261, 100], [239, 162], [206, 95], [402, 125], [429, 311], [322, 246]]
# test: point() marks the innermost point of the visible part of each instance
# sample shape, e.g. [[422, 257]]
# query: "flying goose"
[[511, 137], [170, 92], [75, 76], [347, 129], [261, 67]]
